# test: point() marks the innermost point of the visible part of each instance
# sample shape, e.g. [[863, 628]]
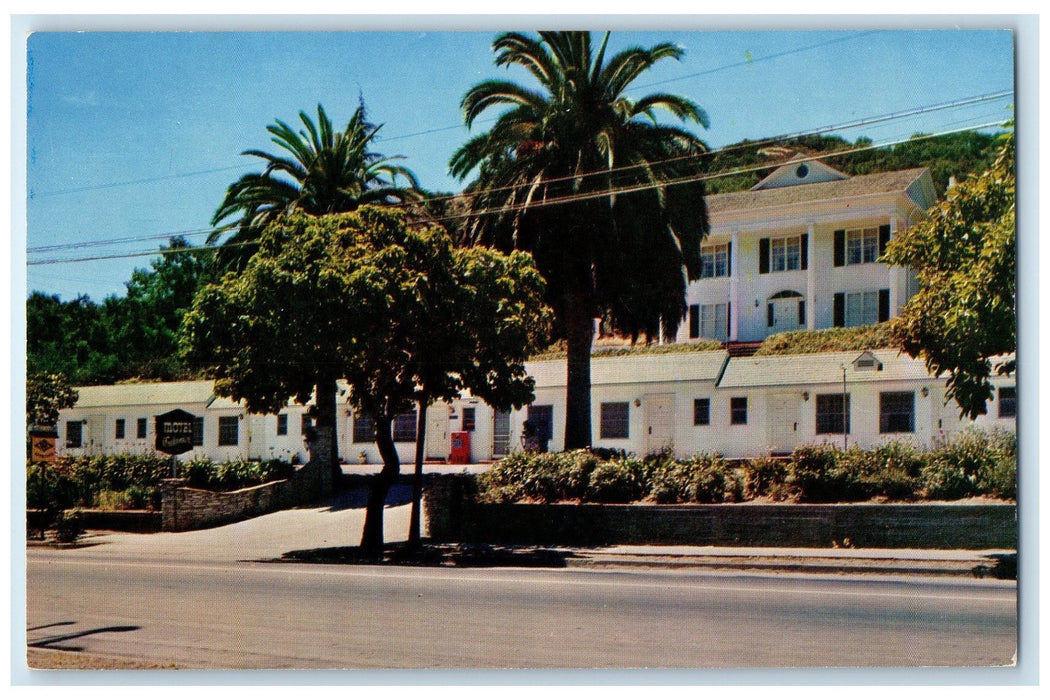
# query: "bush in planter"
[[814, 470], [621, 481], [765, 476], [973, 463], [699, 479], [68, 527], [891, 470]]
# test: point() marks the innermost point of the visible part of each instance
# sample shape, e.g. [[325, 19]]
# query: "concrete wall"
[[453, 517]]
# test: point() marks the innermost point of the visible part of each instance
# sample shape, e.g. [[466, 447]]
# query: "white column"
[[811, 278], [734, 287], [896, 277]]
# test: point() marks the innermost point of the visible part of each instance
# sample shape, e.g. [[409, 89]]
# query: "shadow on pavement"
[[354, 498], [452, 555], [56, 641]]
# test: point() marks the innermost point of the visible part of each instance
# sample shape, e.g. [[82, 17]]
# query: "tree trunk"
[[579, 332], [415, 536], [372, 536], [324, 396]]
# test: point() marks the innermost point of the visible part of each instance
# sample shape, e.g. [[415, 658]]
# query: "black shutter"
[[769, 314], [763, 256], [729, 258], [804, 251], [729, 318], [884, 238], [802, 313], [694, 321], [840, 248], [884, 305], [840, 310]]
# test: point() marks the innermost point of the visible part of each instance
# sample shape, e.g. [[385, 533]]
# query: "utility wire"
[[544, 203], [867, 121]]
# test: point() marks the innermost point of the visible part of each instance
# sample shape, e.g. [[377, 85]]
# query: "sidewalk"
[[916, 562]]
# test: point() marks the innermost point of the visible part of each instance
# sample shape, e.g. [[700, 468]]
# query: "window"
[[228, 430], [74, 433], [1008, 402], [140, 432], [861, 308], [305, 423], [701, 411], [862, 246], [832, 414], [118, 432], [614, 420], [405, 427], [738, 410], [714, 322], [469, 418], [541, 417], [282, 423], [364, 429], [897, 412], [785, 254], [198, 432], [714, 261]]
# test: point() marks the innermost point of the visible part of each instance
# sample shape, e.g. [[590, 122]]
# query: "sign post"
[[175, 434]]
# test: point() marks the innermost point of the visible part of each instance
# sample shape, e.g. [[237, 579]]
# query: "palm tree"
[[327, 172], [585, 178]]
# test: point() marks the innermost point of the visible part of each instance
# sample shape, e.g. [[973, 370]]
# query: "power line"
[[162, 178], [865, 121], [549, 202]]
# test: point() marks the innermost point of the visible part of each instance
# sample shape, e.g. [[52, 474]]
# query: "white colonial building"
[[797, 251]]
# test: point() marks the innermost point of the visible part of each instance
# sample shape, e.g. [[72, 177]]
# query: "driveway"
[[336, 523]]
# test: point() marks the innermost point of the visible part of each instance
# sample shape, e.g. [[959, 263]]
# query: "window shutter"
[[840, 310], [840, 248], [804, 251], [769, 314], [729, 258], [763, 256], [694, 321], [802, 313], [884, 305], [884, 238], [729, 318]]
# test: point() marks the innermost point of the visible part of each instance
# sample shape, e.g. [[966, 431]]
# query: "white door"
[[437, 439], [783, 422], [788, 314], [659, 421]]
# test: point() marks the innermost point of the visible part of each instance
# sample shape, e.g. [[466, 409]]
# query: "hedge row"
[[118, 482], [972, 463]]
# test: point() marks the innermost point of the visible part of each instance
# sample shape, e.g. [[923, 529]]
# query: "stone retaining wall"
[[454, 517], [184, 508]]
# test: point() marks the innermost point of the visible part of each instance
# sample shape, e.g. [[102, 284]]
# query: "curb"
[[966, 568]]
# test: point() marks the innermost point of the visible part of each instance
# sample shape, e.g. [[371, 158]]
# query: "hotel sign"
[[175, 432]]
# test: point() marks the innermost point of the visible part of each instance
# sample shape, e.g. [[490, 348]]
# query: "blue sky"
[[137, 135]]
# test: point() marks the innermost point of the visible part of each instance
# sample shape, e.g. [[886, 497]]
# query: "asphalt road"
[[245, 615]]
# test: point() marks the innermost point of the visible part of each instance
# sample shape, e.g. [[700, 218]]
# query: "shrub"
[[971, 463], [816, 473], [621, 481], [68, 527], [765, 476]]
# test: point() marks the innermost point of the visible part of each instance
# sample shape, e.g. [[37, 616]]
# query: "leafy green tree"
[[46, 395], [587, 180], [965, 313], [384, 306], [323, 172]]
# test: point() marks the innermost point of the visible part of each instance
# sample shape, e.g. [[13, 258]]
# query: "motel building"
[[796, 252]]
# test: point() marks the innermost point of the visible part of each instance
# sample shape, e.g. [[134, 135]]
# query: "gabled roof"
[[800, 172], [195, 392], [895, 182], [820, 368]]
